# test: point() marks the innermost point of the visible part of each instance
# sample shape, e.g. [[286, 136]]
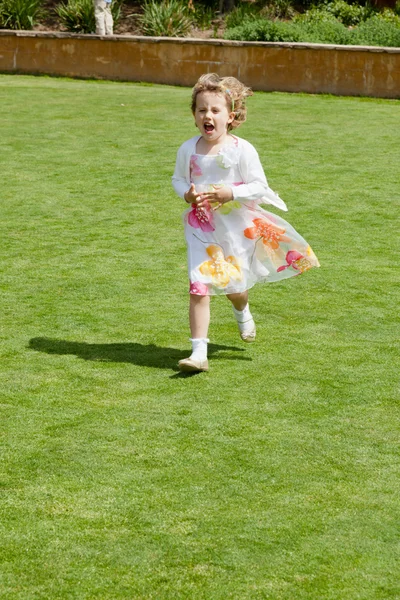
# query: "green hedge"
[[376, 31], [326, 32], [262, 30], [348, 14]]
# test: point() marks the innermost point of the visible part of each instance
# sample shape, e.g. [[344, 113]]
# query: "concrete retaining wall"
[[288, 67]]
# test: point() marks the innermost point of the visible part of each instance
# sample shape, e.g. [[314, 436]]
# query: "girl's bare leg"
[[239, 301], [199, 316]]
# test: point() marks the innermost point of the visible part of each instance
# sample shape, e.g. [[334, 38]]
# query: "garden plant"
[[77, 16], [323, 21], [275, 475]]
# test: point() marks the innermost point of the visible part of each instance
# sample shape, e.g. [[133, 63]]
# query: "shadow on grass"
[[144, 355]]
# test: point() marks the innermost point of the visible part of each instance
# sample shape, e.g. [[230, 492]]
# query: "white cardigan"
[[255, 186]]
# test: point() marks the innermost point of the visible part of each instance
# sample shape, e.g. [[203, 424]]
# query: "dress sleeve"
[[179, 181], [255, 186]]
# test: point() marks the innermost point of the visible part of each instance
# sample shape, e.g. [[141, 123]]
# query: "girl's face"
[[212, 116]]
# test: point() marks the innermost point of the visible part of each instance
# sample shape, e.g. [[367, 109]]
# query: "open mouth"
[[208, 128]]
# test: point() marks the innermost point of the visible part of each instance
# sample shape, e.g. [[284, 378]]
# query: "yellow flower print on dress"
[[311, 256], [227, 207], [220, 269]]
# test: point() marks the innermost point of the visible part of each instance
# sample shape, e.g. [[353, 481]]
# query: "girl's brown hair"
[[234, 91]]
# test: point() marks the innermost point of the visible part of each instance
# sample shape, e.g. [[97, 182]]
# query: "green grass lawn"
[[276, 474]]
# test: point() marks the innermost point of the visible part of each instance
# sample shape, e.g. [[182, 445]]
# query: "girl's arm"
[[182, 186], [255, 184], [179, 181]]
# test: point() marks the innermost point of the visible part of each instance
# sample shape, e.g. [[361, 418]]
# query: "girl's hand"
[[191, 196], [219, 196]]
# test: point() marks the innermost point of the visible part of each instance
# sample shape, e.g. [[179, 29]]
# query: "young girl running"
[[233, 242]]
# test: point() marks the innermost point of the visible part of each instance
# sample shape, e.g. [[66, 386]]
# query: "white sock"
[[244, 319], [199, 348]]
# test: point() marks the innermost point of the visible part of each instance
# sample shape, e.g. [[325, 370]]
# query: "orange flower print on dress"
[[220, 269], [297, 261], [268, 232]]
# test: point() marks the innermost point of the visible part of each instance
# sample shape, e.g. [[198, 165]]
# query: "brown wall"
[[290, 67]]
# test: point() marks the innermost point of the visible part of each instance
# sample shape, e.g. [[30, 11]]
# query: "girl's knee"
[[194, 299], [239, 296], [239, 300]]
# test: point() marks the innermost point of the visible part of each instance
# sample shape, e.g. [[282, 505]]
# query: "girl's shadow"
[[144, 355]]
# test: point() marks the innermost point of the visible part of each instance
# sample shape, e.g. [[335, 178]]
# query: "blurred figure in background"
[[103, 17]]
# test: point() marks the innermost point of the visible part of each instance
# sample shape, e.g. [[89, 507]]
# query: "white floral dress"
[[239, 244]]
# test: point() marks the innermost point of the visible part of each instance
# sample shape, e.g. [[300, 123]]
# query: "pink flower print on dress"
[[297, 261], [201, 218], [195, 169], [198, 288]]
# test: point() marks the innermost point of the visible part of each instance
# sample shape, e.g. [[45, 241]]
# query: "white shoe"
[[189, 365], [248, 336], [246, 325]]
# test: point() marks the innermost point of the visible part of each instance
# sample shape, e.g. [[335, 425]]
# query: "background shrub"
[[241, 13], [77, 16], [321, 26], [203, 17], [279, 9], [169, 18], [262, 30], [348, 14], [20, 14], [315, 15], [275, 9], [325, 32], [390, 16], [377, 32]]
